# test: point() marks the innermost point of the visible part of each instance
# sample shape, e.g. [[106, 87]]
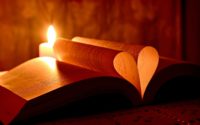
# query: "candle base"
[[46, 49]]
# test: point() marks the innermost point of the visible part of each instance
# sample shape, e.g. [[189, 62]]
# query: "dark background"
[[171, 26]]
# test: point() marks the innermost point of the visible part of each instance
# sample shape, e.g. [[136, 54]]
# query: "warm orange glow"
[[46, 48], [51, 35], [50, 62]]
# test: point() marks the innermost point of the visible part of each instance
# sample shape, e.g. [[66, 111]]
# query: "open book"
[[88, 68]]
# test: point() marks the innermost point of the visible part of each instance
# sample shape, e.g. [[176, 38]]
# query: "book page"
[[134, 49], [173, 78], [110, 62], [147, 57], [147, 64], [41, 75]]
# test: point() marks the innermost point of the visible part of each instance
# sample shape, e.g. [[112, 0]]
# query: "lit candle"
[[46, 49]]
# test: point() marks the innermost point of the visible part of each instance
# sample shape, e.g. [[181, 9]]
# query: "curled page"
[[146, 56], [107, 61]]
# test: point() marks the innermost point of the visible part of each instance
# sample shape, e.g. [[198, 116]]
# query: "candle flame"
[[51, 35]]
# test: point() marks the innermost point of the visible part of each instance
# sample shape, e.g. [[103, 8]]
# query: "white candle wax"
[[45, 49]]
